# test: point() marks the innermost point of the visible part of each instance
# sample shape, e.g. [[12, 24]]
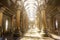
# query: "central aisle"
[[35, 34]]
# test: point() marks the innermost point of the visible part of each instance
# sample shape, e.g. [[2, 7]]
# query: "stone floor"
[[26, 38], [32, 34], [36, 38]]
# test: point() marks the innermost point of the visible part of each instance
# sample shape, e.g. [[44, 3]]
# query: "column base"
[[44, 34], [17, 33]]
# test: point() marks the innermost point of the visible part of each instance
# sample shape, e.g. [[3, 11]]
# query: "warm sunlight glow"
[[6, 25], [31, 8], [33, 32], [5, 38], [55, 36], [56, 23]]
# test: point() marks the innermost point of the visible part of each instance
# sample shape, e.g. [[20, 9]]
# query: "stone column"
[[1, 15], [18, 22], [18, 12], [43, 19], [54, 28], [18, 18], [49, 24], [1, 19], [13, 23], [43, 23], [25, 22]]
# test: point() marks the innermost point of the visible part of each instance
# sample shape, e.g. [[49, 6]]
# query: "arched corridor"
[[29, 19]]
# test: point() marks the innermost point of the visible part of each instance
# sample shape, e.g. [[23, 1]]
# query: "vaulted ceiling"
[[9, 5], [52, 5]]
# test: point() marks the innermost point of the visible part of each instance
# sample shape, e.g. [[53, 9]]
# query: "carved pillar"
[[43, 22], [19, 11], [17, 28], [1, 19], [43, 17], [13, 23], [1, 15], [18, 18], [26, 22], [49, 23], [37, 20]]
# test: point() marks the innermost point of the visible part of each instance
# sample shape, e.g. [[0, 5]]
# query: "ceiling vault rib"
[[7, 8]]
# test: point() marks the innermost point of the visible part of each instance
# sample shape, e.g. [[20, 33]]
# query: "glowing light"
[[31, 19], [5, 38], [56, 24], [31, 2], [33, 32], [6, 24], [55, 36], [31, 8]]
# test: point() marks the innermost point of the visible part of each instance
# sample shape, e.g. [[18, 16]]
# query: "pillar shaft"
[[1, 15], [1, 19], [49, 23], [43, 19], [18, 23], [18, 18]]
